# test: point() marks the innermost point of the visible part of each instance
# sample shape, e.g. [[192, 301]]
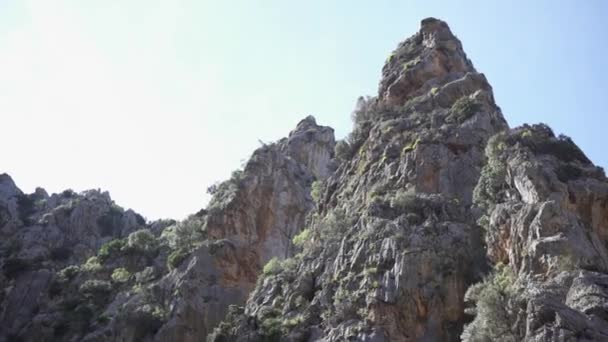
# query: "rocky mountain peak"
[[431, 57], [8, 189], [431, 221]]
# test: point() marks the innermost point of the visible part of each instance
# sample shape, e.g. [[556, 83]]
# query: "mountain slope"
[[119, 278], [432, 221], [436, 195]]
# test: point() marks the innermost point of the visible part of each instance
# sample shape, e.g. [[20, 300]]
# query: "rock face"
[[41, 234], [431, 221], [441, 223], [78, 267]]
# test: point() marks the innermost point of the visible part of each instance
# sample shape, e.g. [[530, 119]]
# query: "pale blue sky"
[[155, 100]]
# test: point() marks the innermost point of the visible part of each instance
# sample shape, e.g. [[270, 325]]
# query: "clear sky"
[[155, 100]]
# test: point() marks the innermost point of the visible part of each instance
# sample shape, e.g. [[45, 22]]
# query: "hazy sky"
[[155, 100]]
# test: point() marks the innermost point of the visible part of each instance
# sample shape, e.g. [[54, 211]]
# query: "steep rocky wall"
[[78, 267], [431, 221], [545, 211], [394, 245], [441, 223]]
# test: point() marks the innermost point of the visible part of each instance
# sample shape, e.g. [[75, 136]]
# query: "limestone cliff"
[[432, 221], [79, 267], [441, 223]]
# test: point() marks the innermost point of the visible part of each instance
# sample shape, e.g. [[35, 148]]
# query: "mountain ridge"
[[432, 221]]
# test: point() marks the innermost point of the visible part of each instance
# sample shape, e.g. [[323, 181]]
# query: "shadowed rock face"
[[442, 224], [431, 221]]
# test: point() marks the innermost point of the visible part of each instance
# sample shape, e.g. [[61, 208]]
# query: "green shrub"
[[92, 265], [111, 248], [92, 288], [464, 108], [273, 267], [301, 238], [343, 150], [492, 180], [176, 258], [370, 271], [142, 241], [364, 109], [405, 200], [103, 319], [411, 146], [68, 273], [271, 329], [316, 191], [334, 225], [121, 275], [496, 308], [189, 233]]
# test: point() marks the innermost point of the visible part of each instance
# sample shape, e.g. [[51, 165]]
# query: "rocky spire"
[[431, 57]]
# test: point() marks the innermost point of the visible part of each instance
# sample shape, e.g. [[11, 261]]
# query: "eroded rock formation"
[[432, 221]]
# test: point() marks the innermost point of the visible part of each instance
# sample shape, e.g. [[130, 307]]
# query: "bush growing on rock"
[[111, 248], [495, 308], [121, 275], [316, 191], [492, 179], [189, 233], [93, 288], [405, 200], [302, 238], [68, 273], [142, 241], [176, 258], [334, 225], [464, 108], [92, 265], [364, 109], [343, 150], [272, 267]]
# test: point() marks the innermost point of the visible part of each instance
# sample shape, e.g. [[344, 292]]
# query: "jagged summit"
[[431, 221], [430, 57]]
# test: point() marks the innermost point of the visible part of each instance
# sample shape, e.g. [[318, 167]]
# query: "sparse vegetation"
[[411, 63], [496, 308], [176, 258], [302, 238], [273, 267], [189, 233], [121, 275], [411, 146], [111, 248], [464, 108], [405, 200], [343, 150], [142, 241], [92, 265], [316, 191], [68, 273], [94, 287], [334, 225], [492, 179]]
